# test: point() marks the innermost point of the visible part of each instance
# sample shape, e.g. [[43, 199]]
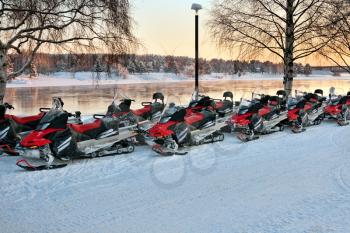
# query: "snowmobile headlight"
[[164, 120], [33, 147]]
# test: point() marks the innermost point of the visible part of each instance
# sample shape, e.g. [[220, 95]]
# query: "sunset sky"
[[166, 27]]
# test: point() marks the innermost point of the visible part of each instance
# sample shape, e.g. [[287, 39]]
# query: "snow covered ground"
[[87, 78], [283, 182]]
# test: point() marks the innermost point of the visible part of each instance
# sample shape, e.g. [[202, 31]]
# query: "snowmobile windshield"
[[169, 111], [244, 106], [243, 110], [53, 119], [292, 103]]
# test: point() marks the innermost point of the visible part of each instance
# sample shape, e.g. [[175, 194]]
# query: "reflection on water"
[[89, 99]]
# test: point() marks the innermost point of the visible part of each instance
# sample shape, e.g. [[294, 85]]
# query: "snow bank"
[[283, 182], [88, 78]]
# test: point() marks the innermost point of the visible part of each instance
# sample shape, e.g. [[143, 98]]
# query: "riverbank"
[[88, 78]]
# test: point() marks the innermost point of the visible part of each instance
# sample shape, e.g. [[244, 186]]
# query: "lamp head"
[[196, 7]]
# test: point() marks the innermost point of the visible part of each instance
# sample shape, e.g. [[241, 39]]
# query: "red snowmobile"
[[262, 115], [338, 108], [55, 142], [151, 111], [181, 127], [13, 128], [306, 109], [223, 107]]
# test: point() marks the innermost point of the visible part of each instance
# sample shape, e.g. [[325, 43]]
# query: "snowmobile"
[[262, 115], [223, 108], [178, 129], [151, 110], [306, 109], [54, 143], [338, 108], [13, 128], [144, 117]]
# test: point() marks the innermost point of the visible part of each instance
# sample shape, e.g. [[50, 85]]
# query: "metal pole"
[[196, 56]]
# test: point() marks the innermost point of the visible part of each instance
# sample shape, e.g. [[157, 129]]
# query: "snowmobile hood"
[[332, 109], [37, 138], [241, 119], [293, 114], [161, 130]]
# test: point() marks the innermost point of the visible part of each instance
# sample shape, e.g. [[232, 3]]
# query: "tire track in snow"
[[342, 180]]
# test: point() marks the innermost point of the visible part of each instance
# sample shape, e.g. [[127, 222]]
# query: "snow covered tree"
[[28, 26], [288, 29]]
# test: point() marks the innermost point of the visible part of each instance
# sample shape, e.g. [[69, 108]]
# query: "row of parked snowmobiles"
[[54, 137], [265, 114]]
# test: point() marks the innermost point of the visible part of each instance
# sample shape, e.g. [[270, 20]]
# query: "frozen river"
[[90, 99]]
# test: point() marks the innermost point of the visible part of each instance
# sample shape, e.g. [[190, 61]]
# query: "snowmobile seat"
[[29, 120], [199, 119], [142, 111], [83, 128], [348, 93]]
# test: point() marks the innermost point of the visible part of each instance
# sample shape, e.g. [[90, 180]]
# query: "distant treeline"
[[129, 64]]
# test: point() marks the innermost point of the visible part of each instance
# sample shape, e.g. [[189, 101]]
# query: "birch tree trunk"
[[3, 74], [289, 49]]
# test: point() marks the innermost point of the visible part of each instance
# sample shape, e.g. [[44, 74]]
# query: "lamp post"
[[196, 7]]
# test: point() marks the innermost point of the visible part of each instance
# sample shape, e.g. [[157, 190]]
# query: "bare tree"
[[338, 50], [289, 29], [32, 25]]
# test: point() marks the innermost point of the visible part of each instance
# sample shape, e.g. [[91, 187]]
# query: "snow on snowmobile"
[[178, 129], [13, 128], [338, 108], [262, 115], [54, 143], [306, 109]]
